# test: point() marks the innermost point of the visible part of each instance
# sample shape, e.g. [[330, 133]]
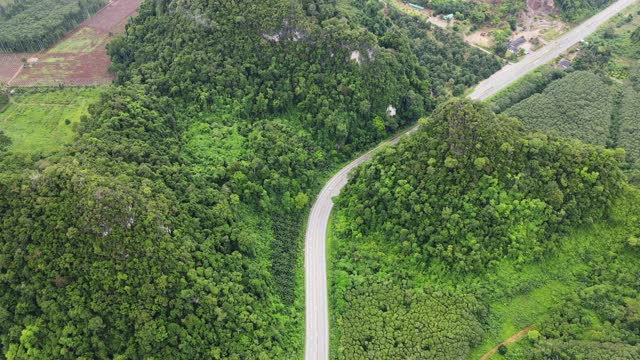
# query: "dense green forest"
[[486, 170], [33, 25], [573, 10], [171, 226], [473, 224]]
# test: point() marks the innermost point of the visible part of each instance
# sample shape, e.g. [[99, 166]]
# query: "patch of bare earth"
[[438, 21], [426, 14], [481, 38], [536, 20], [9, 66]]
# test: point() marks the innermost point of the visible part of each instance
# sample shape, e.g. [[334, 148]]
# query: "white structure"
[[391, 111]]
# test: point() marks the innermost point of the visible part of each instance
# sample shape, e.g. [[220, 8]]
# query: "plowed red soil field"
[[78, 59], [9, 65]]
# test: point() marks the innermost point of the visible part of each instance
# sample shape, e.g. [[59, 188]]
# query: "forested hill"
[[482, 187], [440, 243], [267, 57], [171, 227]]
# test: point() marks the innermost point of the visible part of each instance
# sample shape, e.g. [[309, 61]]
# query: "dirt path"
[[515, 337], [15, 75]]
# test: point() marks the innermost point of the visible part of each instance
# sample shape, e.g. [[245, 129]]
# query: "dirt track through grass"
[[515, 337]]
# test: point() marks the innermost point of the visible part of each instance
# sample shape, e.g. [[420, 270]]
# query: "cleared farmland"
[[79, 59]]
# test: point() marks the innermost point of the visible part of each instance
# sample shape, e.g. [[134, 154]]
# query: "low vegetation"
[[42, 121]]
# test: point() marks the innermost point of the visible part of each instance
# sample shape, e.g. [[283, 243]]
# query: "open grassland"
[[42, 121], [541, 287]]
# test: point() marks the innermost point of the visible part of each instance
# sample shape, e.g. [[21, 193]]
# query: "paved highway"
[[317, 313], [317, 309], [552, 50]]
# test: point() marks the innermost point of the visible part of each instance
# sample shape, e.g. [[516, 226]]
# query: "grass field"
[[41, 121], [81, 42], [547, 283]]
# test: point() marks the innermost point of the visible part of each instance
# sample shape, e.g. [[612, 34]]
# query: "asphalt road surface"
[[549, 52], [315, 263], [317, 309]]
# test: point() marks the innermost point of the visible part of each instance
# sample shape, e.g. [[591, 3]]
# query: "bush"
[[533, 335], [4, 98], [502, 349]]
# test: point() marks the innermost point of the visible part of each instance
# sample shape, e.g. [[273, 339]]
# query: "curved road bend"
[[317, 309]]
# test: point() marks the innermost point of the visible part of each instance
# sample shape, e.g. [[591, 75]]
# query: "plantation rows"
[[629, 134], [580, 105]]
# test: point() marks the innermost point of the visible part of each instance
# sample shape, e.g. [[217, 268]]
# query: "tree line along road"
[[316, 301]]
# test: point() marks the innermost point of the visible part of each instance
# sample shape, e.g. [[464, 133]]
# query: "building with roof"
[[563, 64], [514, 45]]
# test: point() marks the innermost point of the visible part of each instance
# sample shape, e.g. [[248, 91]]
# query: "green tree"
[[635, 35]]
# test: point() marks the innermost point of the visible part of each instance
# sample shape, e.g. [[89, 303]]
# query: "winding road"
[[317, 309]]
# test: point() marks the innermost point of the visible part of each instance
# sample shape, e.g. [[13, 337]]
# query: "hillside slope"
[[457, 237], [170, 228]]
